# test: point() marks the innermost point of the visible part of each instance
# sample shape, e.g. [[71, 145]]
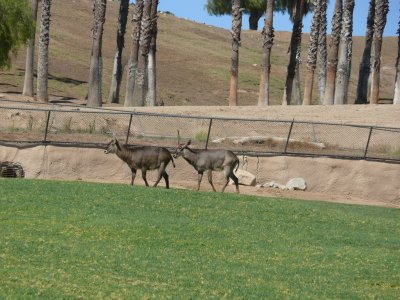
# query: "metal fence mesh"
[[251, 137]]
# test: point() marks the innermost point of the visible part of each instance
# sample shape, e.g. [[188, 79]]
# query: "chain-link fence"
[[93, 128]]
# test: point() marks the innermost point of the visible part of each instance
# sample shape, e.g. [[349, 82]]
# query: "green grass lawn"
[[76, 239]]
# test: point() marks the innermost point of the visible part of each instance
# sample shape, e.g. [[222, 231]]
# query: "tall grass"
[[75, 239]]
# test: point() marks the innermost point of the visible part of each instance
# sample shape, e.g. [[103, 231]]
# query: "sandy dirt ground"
[[334, 180]]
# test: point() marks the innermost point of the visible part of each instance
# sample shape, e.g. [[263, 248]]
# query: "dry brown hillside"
[[193, 59]]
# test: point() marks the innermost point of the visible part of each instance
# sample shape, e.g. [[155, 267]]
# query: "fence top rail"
[[118, 112]]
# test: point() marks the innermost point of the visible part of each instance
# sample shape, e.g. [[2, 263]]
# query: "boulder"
[[245, 178], [296, 184]]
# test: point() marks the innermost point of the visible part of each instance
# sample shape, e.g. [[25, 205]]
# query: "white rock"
[[245, 178], [275, 185], [296, 184]]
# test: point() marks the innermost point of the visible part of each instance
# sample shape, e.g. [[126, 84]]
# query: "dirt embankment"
[[353, 182], [345, 181]]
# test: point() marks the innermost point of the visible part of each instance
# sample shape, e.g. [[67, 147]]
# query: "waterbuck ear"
[[114, 137], [117, 144]]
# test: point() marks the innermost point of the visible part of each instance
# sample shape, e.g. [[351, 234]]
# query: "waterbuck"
[[143, 158], [210, 160]]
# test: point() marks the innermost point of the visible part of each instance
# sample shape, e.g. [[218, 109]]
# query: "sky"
[[194, 10]]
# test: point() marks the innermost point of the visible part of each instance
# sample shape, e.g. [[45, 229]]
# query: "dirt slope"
[[193, 59]]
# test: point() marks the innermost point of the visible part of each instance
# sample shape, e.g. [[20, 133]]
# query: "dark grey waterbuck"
[[210, 160], [143, 158]]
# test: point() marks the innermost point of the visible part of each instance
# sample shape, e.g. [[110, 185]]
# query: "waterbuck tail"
[[237, 165], [172, 161]]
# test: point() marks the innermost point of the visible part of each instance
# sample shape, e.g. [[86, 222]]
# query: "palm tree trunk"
[[322, 52], [43, 55], [312, 53], [333, 53], [139, 92], [96, 63], [152, 62], [268, 41], [365, 65], [295, 43], [381, 11], [30, 55], [133, 59], [236, 29], [298, 100], [396, 98], [345, 54], [117, 68]]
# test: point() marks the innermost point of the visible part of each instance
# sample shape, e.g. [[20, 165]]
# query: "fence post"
[[47, 127], [129, 129], [369, 138], [290, 132], [208, 134]]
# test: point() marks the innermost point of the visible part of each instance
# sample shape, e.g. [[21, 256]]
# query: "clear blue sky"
[[194, 10]]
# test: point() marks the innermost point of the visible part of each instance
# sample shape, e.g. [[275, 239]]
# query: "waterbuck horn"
[[179, 138]]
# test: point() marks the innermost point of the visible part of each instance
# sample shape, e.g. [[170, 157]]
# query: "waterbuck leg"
[[144, 171], [161, 171], [165, 175], [227, 172], [133, 176], [236, 181], [209, 174], [199, 177]]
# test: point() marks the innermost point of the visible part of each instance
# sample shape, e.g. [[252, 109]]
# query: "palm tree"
[[396, 98], [236, 29], [295, 42], [96, 62], [133, 59], [322, 52], [117, 69], [333, 53], [30, 55], [255, 9], [43, 56], [268, 41], [365, 64], [381, 11], [312, 53], [345, 54], [139, 92], [152, 66]]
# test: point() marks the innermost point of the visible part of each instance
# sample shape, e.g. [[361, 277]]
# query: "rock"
[[245, 178], [275, 185], [296, 184]]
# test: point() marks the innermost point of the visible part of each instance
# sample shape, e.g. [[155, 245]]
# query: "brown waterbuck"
[[144, 158], [210, 160]]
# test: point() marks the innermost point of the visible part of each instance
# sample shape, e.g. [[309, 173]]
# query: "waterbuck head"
[[112, 146], [180, 147]]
